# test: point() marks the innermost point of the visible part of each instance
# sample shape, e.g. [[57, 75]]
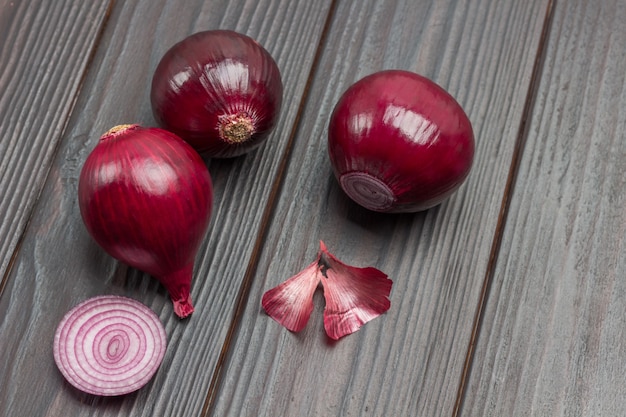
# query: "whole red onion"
[[219, 90], [145, 196], [398, 142]]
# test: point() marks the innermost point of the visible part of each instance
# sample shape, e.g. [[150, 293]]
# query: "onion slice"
[[109, 345], [353, 296]]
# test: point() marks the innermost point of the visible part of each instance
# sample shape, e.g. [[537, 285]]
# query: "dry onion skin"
[[353, 295], [109, 345]]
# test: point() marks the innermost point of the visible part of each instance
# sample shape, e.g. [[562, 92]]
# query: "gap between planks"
[[518, 151], [57, 146], [244, 289]]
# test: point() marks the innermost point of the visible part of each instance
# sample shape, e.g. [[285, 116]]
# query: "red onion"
[[109, 345], [353, 296], [145, 196], [399, 143], [219, 90]]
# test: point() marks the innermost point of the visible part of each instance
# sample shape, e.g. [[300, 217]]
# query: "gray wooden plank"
[[59, 265], [552, 336], [44, 51], [409, 361]]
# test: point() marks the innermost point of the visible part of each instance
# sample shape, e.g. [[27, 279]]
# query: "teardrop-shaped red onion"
[[109, 345], [146, 196], [219, 90], [398, 142]]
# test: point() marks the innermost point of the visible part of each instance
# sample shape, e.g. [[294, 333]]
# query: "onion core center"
[[115, 346], [368, 191], [236, 128]]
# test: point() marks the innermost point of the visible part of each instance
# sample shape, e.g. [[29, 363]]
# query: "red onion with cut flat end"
[[219, 90], [109, 345], [398, 142], [146, 196]]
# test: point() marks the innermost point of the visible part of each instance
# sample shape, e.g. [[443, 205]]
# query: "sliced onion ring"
[[109, 345]]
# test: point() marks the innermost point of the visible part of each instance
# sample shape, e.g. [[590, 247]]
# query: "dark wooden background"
[[509, 298]]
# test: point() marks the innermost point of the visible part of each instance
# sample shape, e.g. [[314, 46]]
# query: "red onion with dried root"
[[109, 345], [219, 90], [353, 296], [146, 196], [398, 142]]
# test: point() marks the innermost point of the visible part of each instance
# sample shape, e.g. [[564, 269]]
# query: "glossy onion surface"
[[146, 196], [399, 143], [219, 90]]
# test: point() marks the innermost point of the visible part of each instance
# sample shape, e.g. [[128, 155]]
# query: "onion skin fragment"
[[219, 90], [145, 197], [291, 302], [398, 142], [353, 296], [109, 345]]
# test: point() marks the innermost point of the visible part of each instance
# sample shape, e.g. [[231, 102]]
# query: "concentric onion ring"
[[109, 345], [368, 191]]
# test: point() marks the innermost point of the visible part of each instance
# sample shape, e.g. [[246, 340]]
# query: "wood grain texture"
[[44, 51], [552, 336], [409, 361], [58, 264]]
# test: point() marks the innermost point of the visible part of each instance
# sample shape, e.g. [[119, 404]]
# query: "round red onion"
[[109, 345], [398, 142], [219, 90], [146, 196]]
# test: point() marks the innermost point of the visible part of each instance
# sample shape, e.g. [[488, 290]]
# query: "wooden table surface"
[[509, 298]]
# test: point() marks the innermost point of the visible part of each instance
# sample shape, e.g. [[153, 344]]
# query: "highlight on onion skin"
[[398, 142], [109, 345], [219, 90], [145, 196], [353, 295]]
